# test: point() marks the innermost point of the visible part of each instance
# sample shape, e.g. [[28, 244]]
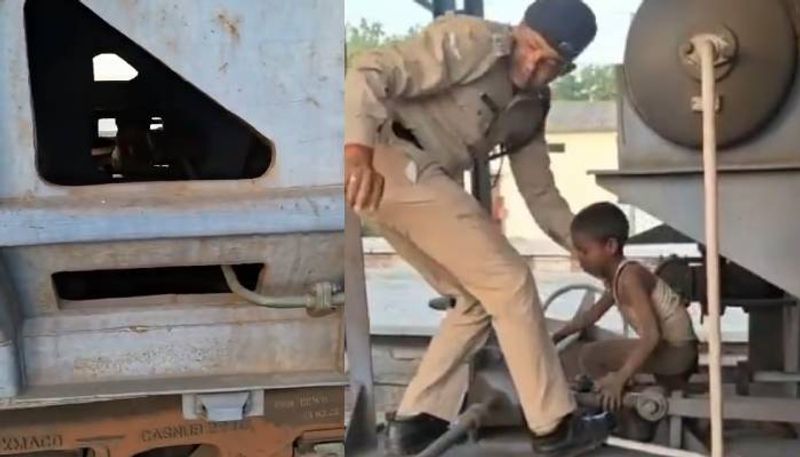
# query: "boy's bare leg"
[[602, 357]]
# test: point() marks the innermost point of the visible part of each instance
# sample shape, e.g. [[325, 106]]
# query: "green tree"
[[588, 83], [370, 35], [600, 82], [367, 35], [567, 88]]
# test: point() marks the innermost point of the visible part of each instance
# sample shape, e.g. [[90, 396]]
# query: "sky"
[[613, 18]]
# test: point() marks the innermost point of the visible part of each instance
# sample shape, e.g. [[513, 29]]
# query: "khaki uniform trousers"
[[443, 232]]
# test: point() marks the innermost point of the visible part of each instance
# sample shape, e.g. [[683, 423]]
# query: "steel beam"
[[361, 435], [759, 409], [791, 346], [761, 230], [776, 377], [425, 4]]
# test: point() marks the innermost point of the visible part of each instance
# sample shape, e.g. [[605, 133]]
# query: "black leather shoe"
[[410, 435], [577, 435]]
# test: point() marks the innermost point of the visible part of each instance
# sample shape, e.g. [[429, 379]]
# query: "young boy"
[[667, 344]]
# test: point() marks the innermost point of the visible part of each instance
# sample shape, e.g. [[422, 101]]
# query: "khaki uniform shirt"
[[450, 87]]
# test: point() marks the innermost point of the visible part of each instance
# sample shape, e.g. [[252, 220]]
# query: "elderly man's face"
[[534, 62]]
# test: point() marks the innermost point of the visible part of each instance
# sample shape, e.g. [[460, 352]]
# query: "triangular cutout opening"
[[118, 126]]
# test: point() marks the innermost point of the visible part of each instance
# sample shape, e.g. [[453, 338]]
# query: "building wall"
[[583, 152]]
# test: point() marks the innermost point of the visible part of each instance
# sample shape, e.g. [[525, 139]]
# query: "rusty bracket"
[[326, 297]]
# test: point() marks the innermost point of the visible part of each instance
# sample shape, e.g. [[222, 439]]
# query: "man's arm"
[[634, 292], [451, 51], [531, 168], [586, 319]]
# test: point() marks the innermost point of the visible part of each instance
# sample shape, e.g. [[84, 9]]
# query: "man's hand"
[[363, 185], [610, 388]]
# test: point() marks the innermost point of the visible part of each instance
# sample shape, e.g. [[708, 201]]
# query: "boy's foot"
[[411, 435], [575, 436]]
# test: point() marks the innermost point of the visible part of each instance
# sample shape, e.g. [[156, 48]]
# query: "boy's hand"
[[610, 388]]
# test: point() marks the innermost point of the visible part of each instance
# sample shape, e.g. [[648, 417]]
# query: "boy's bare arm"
[[633, 288], [586, 319]]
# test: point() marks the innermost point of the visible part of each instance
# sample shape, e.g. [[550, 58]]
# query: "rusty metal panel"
[[278, 68], [142, 212], [169, 343], [129, 428], [274, 65], [294, 261], [16, 128], [119, 347], [278, 65]]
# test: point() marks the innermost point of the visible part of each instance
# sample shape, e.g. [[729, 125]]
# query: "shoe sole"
[[577, 452], [408, 451]]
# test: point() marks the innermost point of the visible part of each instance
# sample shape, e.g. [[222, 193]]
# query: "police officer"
[[417, 114]]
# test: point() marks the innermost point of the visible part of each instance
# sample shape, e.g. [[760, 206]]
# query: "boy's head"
[[599, 233]]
